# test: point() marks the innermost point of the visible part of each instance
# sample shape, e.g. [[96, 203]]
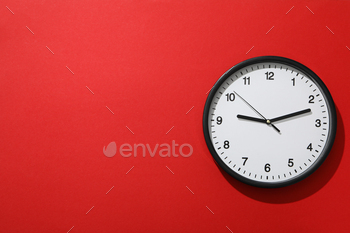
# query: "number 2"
[[311, 99]]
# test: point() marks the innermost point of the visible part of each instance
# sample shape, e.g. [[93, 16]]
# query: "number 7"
[[245, 160]]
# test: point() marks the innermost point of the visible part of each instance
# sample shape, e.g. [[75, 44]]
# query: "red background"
[[149, 62]]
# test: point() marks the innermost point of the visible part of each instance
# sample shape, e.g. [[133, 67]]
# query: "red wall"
[[135, 68]]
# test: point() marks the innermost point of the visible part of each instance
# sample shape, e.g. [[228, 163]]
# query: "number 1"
[[293, 80]]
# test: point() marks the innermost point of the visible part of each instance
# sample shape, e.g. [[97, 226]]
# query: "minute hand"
[[290, 115]]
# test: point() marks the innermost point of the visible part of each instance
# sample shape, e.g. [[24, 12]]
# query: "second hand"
[[267, 121]]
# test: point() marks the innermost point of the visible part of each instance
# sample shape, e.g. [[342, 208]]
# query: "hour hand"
[[252, 118]]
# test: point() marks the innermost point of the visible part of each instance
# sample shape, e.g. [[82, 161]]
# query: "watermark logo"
[[111, 149], [163, 150]]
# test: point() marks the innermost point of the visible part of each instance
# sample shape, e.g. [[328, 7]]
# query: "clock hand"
[[268, 122], [290, 115], [274, 119], [251, 118]]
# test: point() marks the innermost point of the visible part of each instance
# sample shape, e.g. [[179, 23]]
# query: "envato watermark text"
[[164, 150]]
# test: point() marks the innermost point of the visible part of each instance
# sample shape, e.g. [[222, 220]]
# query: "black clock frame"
[[310, 74]]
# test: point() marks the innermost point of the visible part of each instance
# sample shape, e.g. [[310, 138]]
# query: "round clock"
[[269, 121]]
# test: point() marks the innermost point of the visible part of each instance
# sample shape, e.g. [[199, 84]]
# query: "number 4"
[[309, 147]]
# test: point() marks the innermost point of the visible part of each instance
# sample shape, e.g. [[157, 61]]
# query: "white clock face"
[[269, 122]]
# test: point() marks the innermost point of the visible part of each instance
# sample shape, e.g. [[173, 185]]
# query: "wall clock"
[[269, 121]]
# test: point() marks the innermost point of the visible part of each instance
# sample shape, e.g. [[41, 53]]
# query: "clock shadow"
[[304, 188]]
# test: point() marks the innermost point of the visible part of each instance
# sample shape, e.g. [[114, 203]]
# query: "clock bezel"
[[311, 75]]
